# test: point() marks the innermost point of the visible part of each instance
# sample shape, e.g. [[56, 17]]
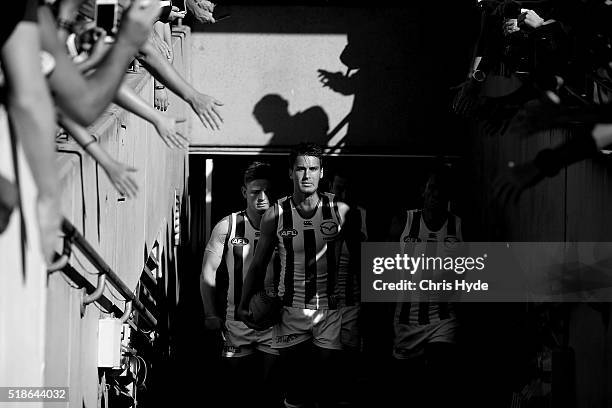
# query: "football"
[[265, 309]]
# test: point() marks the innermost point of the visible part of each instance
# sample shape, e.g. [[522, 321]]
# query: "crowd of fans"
[[541, 65], [62, 66]]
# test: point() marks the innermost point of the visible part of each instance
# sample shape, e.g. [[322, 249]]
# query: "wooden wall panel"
[[117, 229]]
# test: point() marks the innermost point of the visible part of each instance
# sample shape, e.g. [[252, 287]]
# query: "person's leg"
[[350, 368], [443, 373], [240, 381], [297, 363], [408, 387], [272, 384], [327, 367]]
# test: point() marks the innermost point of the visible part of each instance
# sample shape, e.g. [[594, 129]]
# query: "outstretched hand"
[[160, 99], [207, 109], [336, 81], [167, 130], [119, 175]]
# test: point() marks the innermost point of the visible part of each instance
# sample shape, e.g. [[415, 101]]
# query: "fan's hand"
[[508, 187]]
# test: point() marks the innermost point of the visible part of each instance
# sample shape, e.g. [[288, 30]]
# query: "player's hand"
[[213, 323], [336, 81], [246, 317], [120, 175], [160, 99], [507, 189], [207, 109], [167, 130]]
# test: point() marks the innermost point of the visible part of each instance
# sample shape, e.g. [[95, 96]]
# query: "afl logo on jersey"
[[288, 233], [329, 228], [408, 238], [239, 241]]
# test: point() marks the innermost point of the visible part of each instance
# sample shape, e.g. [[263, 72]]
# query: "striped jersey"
[[348, 289], [308, 250], [427, 310], [239, 247]]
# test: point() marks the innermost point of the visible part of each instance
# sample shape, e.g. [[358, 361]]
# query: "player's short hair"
[[257, 171], [306, 149]]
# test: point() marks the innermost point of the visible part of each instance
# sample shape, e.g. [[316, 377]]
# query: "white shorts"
[[240, 340], [350, 335], [299, 325], [410, 340]]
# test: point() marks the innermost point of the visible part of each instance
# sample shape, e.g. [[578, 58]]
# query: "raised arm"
[[205, 106], [31, 114], [118, 173], [212, 259], [85, 98], [256, 275], [165, 125]]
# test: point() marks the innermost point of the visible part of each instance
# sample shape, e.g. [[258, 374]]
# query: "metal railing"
[[105, 272]]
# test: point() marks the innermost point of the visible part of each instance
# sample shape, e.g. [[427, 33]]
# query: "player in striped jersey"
[[426, 330], [308, 227], [228, 254]]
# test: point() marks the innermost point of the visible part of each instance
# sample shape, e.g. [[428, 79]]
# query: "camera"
[[107, 17]]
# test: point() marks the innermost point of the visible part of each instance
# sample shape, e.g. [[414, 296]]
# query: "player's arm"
[[259, 265], [210, 263]]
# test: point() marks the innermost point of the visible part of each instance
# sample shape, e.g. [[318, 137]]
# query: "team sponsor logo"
[[329, 228], [408, 238], [239, 241], [288, 233], [231, 349], [286, 338], [307, 223]]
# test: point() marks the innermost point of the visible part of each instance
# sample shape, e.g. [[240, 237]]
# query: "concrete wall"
[[400, 75]]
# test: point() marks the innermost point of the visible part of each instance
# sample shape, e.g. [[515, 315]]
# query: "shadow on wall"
[[381, 58], [272, 114]]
